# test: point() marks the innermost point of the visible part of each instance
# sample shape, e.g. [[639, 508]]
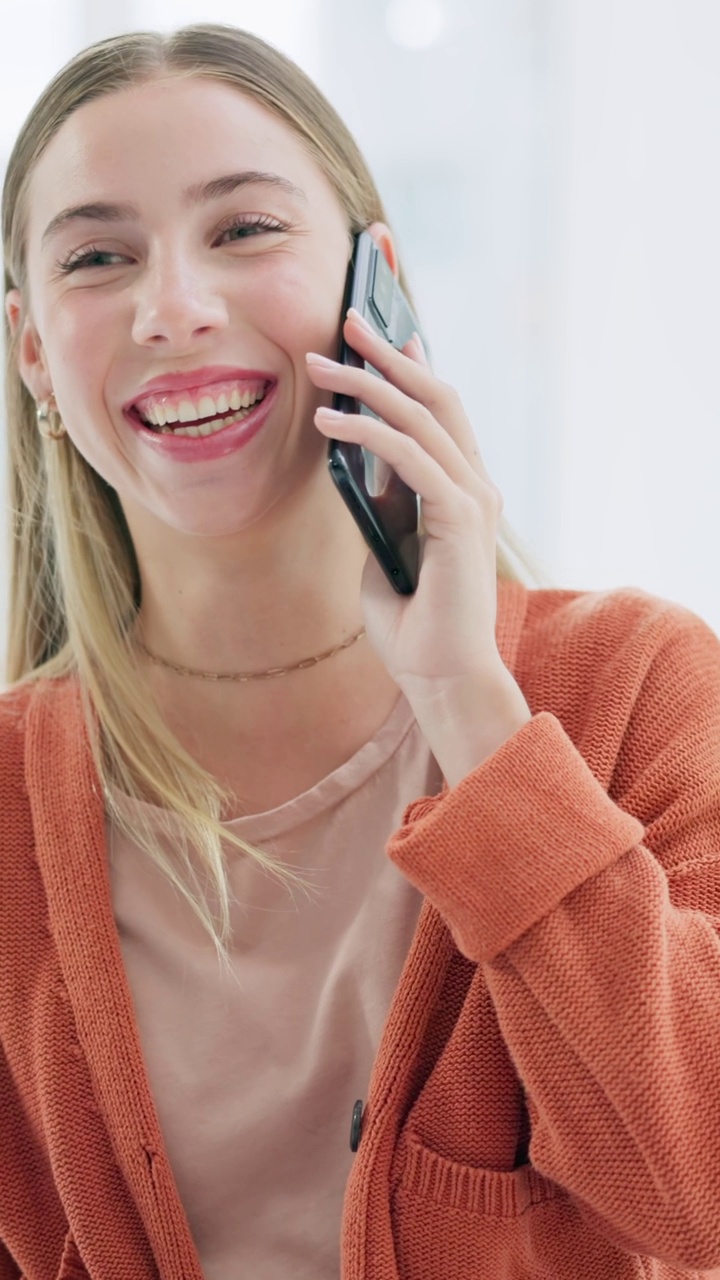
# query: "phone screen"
[[385, 509]]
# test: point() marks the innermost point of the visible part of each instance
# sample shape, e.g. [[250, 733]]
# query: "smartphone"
[[385, 509]]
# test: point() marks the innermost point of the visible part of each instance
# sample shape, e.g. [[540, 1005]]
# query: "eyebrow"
[[198, 193]]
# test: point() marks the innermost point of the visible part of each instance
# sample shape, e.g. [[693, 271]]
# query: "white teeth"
[[207, 428], [206, 408]]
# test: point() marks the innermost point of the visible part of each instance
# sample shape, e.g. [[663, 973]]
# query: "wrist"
[[466, 720]]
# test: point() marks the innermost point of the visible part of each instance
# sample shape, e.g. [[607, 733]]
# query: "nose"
[[176, 302]]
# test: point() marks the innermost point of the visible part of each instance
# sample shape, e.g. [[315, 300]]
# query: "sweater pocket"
[[453, 1221], [426, 1176]]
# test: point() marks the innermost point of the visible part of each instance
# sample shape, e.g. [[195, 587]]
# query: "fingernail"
[[332, 414], [419, 346], [355, 315], [312, 357]]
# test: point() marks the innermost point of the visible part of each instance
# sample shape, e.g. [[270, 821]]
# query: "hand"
[[447, 628], [442, 638]]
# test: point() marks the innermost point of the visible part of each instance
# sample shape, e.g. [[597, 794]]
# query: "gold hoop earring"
[[50, 424]]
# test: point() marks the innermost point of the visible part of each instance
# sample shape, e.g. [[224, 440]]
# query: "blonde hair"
[[75, 588]]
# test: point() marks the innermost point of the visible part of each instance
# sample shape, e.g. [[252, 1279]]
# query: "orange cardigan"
[[546, 1098]]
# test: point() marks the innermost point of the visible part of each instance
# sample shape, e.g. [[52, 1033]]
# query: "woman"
[[211, 942]]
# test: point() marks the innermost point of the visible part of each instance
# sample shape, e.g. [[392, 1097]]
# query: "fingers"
[[445, 505], [394, 407], [402, 397], [442, 400]]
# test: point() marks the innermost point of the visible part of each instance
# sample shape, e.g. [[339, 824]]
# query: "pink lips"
[[200, 448]]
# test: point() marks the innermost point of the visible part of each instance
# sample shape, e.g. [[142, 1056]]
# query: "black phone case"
[[385, 509]]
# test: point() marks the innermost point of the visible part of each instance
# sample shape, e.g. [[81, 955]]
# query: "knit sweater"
[[545, 1101]]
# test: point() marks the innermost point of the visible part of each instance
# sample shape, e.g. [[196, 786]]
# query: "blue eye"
[[242, 228], [253, 226], [85, 259]]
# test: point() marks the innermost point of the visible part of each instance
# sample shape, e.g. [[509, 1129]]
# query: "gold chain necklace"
[[242, 676]]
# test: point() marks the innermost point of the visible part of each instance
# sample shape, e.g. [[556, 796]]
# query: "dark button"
[[356, 1125]]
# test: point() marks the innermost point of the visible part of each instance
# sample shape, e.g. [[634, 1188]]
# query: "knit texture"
[[545, 1102]]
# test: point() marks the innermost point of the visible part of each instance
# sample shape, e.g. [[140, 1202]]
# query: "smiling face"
[[206, 254]]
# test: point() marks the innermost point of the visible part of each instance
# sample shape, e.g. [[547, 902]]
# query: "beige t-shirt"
[[255, 1073]]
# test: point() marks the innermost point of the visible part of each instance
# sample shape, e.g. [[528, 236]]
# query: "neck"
[[279, 592]]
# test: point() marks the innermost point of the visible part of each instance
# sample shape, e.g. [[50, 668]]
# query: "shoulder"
[[623, 610], [15, 816], [17, 705], [631, 677], [27, 713], [621, 630], [14, 704]]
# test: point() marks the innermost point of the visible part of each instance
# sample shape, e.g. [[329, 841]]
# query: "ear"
[[383, 237], [30, 354]]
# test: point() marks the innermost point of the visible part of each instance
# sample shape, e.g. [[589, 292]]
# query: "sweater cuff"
[[499, 851]]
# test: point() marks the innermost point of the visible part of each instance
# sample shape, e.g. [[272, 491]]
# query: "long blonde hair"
[[75, 587]]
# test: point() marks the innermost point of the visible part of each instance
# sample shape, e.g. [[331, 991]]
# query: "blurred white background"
[[551, 170]]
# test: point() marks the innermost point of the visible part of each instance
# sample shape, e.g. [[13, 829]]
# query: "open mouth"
[[201, 416]]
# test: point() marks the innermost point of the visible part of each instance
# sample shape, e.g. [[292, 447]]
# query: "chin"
[[216, 525], [225, 517], [232, 506]]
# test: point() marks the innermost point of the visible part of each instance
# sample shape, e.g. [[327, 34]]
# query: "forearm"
[[605, 987], [608, 1007]]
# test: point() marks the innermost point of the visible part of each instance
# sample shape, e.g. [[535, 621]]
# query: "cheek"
[[78, 341], [301, 305], [79, 344]]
